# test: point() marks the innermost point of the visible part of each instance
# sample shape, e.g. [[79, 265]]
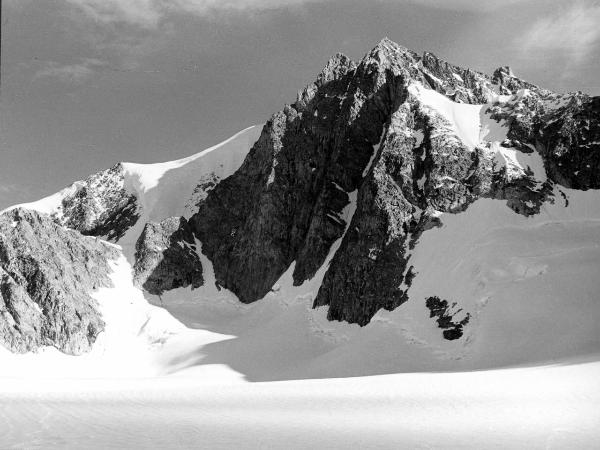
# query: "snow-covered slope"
[[463, 119], [124, 348], [168, 185], [530, 299], [174, 188], [151, 381], [151, 192], [528, 285], [170, 188], [550, 408]]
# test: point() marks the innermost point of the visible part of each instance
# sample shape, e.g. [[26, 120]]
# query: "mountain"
[[385, 136], [453, 215]]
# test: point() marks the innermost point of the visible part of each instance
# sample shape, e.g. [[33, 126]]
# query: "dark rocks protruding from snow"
[[563, 128], [508, 83], [101, 205], [445, 313], [501, 74], [570, 143], [524, 195], [46, 276], [166, 257]]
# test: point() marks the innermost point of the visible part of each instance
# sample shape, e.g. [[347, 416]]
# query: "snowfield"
[[538, 408], [464, 118], [199, 369]]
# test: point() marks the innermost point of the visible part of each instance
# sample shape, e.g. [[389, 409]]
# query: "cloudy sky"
[[88, 83]]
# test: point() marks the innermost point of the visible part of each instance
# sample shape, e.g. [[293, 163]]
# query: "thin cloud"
[[128, 30], [8, 188], [468, 5], [573, 33], [18, 4], [149, 13], [202, 7], [143, 13], [75, 73]]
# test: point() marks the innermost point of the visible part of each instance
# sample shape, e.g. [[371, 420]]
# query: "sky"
[[88, 83]]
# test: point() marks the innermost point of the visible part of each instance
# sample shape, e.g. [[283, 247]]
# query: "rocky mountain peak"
[[337, 66], [388, 52], [388, 140], [501, 73]]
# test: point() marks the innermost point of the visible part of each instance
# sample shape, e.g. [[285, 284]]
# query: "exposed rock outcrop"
[[100, 205], [563, 128], [445, 313], [569, 139], [166, 257], [46, 276]]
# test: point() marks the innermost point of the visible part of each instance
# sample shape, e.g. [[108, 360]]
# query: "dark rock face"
[[508, 83], [166, 257], [442, 310], [284, 203], [524, 195], [46, 274], [458, 84], [570, 142], [101, 206], [360, 132]]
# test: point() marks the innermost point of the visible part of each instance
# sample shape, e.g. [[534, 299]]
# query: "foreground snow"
[[539, 408]]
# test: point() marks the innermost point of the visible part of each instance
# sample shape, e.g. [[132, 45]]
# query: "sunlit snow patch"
[[462, 118]]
